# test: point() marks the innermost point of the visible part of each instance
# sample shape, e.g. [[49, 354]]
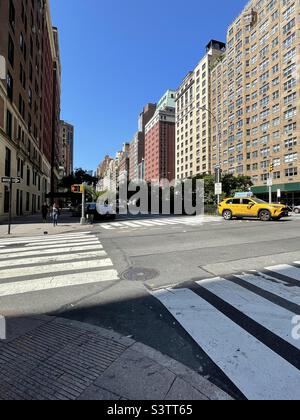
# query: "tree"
[[233, 184], [78, 177], [92, 195]]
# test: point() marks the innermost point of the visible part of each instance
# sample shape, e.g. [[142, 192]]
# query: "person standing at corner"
[[55, 214], [45, 210]]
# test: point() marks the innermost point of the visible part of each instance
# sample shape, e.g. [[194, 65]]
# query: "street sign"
[[16, 180], [10, 180], [278, 193], [270, 182], [7, 180], [218, 188]]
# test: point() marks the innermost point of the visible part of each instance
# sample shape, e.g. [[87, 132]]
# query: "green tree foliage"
[[78, 177], [231, 185]]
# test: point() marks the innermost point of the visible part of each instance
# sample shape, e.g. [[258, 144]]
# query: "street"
[[217, 296]]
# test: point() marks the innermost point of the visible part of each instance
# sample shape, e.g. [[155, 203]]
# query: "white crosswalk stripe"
[[53, 262], [244, 324], [45, 238], [160, 222]]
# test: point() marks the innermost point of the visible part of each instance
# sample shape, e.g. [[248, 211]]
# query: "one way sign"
[[7, 180]]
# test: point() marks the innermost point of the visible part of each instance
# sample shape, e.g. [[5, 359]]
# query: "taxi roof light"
[[247, 194]]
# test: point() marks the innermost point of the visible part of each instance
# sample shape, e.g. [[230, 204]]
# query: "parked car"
[[99, 211], [296, 209], [252, 207]]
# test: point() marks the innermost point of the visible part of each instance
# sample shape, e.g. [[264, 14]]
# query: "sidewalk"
[[52, 358], [32, 226]]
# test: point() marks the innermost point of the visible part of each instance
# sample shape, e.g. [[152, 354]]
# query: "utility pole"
[[83, 219], [10, 181], [270, 182], [10, 206]]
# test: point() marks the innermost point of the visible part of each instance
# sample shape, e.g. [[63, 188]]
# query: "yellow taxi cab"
[[245, 205]]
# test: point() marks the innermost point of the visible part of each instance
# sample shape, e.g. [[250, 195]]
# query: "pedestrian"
[[90, 214], [55, 214], [45, 210]]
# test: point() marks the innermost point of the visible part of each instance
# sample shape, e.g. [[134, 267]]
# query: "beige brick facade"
[[193, 123], [255, 90]]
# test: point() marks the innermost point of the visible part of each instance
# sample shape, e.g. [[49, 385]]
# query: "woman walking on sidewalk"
[[55, 214]]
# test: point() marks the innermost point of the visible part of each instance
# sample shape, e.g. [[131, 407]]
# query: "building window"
[[11, 51], [6, 199], [27, 201], [28, 176], [10, 86], [291, 172], [7, 162], [9, 124], [12, 15]]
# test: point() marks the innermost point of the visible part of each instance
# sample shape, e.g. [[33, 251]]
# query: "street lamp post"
[[218, 166]]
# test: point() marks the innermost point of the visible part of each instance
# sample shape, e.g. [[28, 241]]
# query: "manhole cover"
[[140, 274]]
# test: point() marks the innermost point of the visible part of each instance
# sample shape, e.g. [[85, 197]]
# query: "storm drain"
[[140, 274]]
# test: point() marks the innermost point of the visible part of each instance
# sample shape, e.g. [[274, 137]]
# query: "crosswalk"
[[244, 323], [160, 222], [52, 262]]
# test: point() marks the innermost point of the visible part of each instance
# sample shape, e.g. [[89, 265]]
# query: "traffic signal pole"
[[83, 219], [10, 206], [271, 169]]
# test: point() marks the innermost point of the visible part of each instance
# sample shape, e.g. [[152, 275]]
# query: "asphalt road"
[[177, 254]]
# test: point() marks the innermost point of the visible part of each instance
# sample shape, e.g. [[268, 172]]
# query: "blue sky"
[[117, 55]]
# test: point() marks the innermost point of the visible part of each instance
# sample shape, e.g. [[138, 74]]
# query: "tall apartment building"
[[160, 141], [255, 98], [67, 147], [135, 155], [103, 167], [137, 146], [193, 122], [124, 163], [26, 103], [57, 167]]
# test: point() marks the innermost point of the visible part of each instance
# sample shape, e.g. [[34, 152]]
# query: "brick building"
[[27, 134], [160, 141], [137, 146], [255, 98], [67, 147]]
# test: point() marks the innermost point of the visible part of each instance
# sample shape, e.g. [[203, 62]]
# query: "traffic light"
[[76, 189], [271, 168], [218, 174]]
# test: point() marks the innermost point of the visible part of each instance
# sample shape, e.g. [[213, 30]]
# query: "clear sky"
[[117, 55]]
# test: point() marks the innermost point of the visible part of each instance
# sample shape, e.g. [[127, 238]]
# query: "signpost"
[[218, 183], [270, 185], [10, 181], [279, 194], [218, 188]]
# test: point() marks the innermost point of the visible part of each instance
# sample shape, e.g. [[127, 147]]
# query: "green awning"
[[292, 187]]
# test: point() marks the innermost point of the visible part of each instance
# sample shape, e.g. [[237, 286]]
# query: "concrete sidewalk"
[[32, 226], [47, 358]]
